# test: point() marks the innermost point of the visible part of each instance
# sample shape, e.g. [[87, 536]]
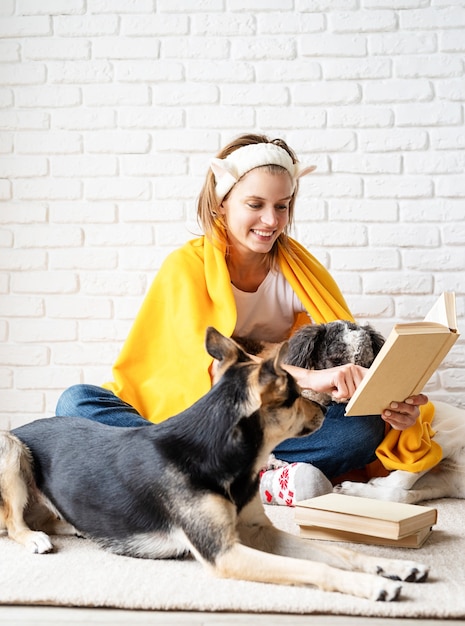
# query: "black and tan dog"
[[188, 485]]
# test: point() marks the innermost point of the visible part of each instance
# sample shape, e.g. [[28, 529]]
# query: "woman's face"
[[256, 210]]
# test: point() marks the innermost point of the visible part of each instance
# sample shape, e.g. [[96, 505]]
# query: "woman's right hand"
[[341, 382]]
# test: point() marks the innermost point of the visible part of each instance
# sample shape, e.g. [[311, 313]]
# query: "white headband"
[[229, 170]]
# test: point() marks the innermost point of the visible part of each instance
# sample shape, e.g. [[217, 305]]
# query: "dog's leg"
[[41, 514], [270, 539], [15, 478], [440, 482], [396, 487], [244, 563], [212, 537], [257, 531]]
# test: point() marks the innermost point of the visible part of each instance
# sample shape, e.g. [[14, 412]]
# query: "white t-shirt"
[[268, 313]]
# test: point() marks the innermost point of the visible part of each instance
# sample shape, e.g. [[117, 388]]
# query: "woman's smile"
[[256, 211], [264, 234]]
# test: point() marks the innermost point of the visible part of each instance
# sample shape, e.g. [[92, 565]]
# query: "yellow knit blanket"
[[163, 366]]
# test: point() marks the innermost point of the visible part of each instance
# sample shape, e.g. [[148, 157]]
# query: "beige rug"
[[80, 574]]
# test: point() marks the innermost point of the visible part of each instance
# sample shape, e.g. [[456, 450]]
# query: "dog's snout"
[[322, 407], [314, 415], [318, 406]]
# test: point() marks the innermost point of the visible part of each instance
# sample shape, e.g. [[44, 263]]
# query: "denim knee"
[[70, 401], [84, 400], [342, 444], [100, 405]]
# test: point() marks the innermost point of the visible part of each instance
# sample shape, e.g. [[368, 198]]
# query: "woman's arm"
[[341, 382]]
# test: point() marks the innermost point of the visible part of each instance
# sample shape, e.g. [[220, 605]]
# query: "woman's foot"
[[292, 483]]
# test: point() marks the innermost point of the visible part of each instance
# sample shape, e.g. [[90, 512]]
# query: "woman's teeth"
[[263, 233]]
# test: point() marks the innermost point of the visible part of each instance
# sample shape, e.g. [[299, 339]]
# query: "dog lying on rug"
[[187, 485], [320, 346]]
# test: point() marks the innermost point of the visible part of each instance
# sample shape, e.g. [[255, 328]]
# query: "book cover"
[[415, 540], [409, 357], [391, 520]]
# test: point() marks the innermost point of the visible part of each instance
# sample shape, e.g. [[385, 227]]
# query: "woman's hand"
[[340, 382], [401, 415]]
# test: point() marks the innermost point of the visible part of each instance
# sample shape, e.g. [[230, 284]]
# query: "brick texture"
[[109, 112]]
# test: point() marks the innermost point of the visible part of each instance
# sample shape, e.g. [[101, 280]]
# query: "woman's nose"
[[269, 217]]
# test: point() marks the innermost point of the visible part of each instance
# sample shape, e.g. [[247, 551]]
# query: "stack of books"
[[337, 517]]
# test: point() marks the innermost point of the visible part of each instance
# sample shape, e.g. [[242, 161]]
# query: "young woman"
[[247, 277]]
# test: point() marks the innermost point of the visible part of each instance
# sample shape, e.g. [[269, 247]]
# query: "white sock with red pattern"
[[297, 481]]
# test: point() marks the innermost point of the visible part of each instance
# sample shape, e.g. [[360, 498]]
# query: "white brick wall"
[[109, 112]]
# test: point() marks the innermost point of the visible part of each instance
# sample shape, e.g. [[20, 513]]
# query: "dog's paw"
[[369, 586], [375, 488], [378, 489], [38, 543], [408, 571], [387, 591], [352, 489]]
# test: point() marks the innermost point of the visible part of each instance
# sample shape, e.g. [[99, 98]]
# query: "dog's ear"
[[270, 369], [302, 345], [281, 355], [377, 339], [222, 348]]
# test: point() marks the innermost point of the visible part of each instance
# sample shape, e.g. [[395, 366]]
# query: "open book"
[[407, 360]]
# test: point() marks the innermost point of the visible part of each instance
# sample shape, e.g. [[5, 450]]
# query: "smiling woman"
[[255, 214], [244, 276]]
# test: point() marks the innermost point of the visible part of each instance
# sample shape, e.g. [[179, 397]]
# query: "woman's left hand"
[[401, 415]]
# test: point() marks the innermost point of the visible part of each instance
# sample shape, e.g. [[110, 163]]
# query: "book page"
[[443, 311]]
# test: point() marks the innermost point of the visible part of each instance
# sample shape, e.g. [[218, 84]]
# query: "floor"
[[56, 616]]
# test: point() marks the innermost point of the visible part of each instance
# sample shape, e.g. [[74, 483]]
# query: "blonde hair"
[[207, 205]]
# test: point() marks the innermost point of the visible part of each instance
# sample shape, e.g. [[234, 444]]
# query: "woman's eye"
[[257, 207]]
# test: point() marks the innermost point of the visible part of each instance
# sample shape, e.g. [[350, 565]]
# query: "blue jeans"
[[98, 404], [342, 444]]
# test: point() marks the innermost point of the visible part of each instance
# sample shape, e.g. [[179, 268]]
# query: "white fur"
[[446, 480], [354, 340]]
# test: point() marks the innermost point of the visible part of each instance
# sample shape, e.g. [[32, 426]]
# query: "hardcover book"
[[415, 540], [366, 516], [409, 357]]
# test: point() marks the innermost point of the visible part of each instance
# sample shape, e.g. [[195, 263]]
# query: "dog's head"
[[271, 391], [321, 346]]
